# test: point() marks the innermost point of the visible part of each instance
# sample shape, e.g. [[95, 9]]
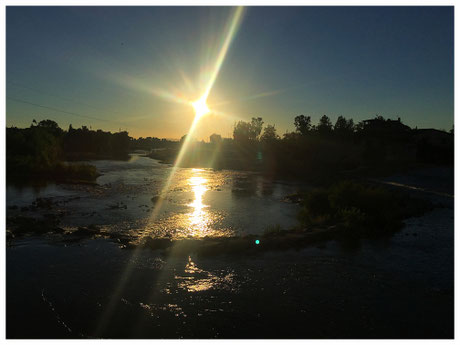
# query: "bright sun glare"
[[201, 108]]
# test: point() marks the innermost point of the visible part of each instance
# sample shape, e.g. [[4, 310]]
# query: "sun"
[[200, 106]]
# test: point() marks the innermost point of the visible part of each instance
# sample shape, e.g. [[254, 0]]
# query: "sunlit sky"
[[112, 67]]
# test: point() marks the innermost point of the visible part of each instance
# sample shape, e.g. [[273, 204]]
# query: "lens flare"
[[201, 108]]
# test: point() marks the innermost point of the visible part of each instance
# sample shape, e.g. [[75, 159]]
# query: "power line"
[[64, 111], [60, 97]]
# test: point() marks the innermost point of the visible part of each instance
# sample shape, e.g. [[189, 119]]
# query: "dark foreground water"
[[397, 287]]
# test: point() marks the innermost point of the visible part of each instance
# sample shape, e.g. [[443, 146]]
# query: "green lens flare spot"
[[257, 241]]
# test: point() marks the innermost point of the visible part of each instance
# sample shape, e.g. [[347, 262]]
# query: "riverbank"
[[62, 172], [229, 159]]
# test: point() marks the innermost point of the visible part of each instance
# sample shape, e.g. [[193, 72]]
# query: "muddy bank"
[[281, 240]]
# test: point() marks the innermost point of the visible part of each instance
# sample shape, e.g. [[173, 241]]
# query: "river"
[[198, 202], [395, 287]]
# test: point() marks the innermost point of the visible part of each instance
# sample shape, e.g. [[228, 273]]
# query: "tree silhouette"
[[302, 124], [344, 127], [324, 125], [269, 135], [340, 124], [248, 131], [256, 128], [48, 124], [241, 131]]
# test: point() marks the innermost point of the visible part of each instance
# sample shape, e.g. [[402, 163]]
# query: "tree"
[[50, 126], [324, 125], [350, 125], [340, 124], [269, 135], [256, 128], [120, 142], [302, 124], [248, 131], [343, 126], [291, 136], [241, 131]]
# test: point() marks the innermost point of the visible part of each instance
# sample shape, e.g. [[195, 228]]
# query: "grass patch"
[[274, 229]]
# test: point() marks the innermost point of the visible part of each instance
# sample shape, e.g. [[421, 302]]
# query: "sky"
[[139, 68]]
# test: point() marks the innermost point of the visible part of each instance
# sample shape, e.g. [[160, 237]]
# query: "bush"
[[316, 208], [352, 218], [77, 171], [359, 208]]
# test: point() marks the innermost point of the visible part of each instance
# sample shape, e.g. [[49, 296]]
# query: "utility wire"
[[64, 111], [60, 97]]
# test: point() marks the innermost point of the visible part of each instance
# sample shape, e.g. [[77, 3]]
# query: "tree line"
[[325, 148], [322, 148], [343, 128]]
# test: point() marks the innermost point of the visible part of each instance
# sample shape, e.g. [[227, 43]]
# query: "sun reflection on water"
[[199, 219], [196, 279], [187, 210]]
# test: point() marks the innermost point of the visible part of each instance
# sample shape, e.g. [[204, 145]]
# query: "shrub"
[[360, 208], [316, 208], [77, 171], [352, 217]]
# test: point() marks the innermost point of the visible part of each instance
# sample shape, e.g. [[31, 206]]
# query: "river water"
[[395, 287], [197, 202]]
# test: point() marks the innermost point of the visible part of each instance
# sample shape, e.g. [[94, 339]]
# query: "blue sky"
[[100, 65]]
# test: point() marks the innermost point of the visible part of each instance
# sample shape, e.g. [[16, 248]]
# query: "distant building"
[[387, 140], [379, 123], [435, 137], [434, 146]]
